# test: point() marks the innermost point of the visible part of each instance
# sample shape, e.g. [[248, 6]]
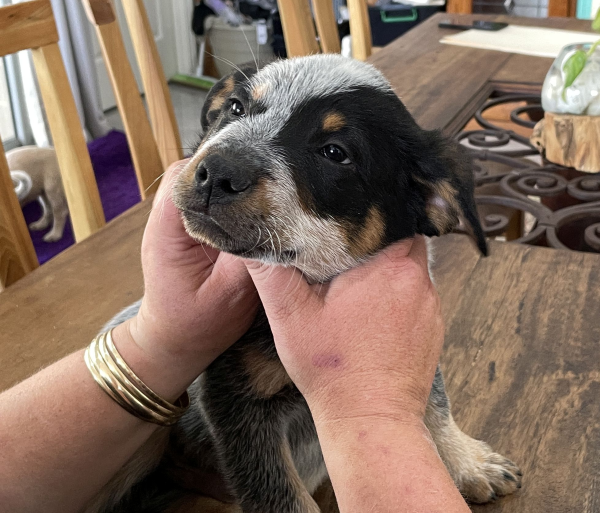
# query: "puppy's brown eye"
[[336, 154], [237, 109]]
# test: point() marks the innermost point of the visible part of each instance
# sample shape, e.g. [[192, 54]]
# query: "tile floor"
[[187, 102]]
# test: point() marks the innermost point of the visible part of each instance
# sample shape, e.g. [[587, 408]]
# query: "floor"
[[187, 102]]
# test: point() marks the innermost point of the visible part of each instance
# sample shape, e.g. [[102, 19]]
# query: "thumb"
[[283, 290]]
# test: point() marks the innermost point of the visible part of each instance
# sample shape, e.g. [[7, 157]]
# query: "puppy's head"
[[315, 162]]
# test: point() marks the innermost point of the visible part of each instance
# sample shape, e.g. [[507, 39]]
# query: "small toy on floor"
[[36, 177]]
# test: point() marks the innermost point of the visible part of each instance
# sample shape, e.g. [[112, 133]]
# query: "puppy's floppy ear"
[[220, 92], [445, 178]]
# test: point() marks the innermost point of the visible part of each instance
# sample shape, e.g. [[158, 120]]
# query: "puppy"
[[314, 163], [36, 176]]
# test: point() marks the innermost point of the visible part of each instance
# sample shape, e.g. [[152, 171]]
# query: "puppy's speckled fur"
[[313, 163]]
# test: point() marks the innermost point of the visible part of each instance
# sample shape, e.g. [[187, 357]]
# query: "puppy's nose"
[[221, 181]]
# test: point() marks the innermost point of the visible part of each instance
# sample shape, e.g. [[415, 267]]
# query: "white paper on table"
[[541, 42]]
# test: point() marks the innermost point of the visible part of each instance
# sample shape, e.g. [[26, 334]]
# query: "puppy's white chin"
[[197, 236]]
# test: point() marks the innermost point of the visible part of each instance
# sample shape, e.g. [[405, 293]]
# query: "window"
[[7, 126]]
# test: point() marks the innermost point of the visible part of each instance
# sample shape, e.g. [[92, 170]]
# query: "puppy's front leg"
[[480, 474], [247, 419]]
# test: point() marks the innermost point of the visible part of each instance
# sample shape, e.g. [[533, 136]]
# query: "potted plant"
[[569, 134]]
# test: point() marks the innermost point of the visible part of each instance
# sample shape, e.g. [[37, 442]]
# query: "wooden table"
[[522, 356]]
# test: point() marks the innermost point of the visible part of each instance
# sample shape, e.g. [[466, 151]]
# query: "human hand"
[[366, 344], [197, 301]]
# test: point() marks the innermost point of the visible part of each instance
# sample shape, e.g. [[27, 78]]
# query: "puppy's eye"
[[237, 109], [335, 153]]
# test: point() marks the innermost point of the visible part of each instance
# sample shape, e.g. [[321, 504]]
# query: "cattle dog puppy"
[[314, 163]]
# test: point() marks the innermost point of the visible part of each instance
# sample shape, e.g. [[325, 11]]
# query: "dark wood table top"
[[522, 355]]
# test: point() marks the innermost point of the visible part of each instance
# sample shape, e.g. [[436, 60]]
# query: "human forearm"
[[62, 438], [377, 464]]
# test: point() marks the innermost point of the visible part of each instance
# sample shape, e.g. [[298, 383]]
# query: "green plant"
[[574, 65]]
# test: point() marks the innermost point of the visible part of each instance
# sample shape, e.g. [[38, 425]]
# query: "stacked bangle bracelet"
[[116, 378]]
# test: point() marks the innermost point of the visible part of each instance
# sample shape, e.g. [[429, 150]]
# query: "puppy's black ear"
[[445, 177], [220, 92]]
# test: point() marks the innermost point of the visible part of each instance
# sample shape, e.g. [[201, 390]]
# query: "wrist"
[[166, 374], [374, 398], [384, 465]]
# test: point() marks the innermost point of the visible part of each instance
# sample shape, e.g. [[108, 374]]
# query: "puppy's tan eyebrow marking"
[[228, 86], [333, 121], [219, 98], [259, 91]]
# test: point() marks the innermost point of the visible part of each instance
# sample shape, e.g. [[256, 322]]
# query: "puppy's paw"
[[52, 236], [486, 475], [40, 225]]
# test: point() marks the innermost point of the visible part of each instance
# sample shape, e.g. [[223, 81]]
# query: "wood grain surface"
[[17, 255], [326, 22], [26, 25], [522, 352], [569, 140], [48, 314], [79, 182], [298, 28], [360, 29], [436, 81]]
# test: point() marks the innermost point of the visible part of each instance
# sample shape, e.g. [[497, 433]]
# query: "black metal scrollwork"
[[562, 208]]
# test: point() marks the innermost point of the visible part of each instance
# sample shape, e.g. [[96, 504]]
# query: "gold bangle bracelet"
[[137, 382], [123, 386]]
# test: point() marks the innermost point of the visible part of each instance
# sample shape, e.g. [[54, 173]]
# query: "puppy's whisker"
[[156, 180], [250, 48], [207, 255], [256, 244], [301, 277], [280, 246], [227, 61]]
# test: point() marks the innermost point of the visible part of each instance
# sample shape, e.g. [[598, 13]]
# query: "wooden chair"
[[31, 25], [301, 37], [147, 160], [160, 107]]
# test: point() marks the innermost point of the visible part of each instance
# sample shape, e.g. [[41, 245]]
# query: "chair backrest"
[[146, 158], [459, 6], [31, 25], [299, 27], [160, 106], [163, 124]]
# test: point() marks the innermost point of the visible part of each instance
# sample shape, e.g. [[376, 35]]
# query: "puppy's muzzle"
[[219, 181]]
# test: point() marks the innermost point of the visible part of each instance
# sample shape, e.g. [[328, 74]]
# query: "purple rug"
[[117, 184]]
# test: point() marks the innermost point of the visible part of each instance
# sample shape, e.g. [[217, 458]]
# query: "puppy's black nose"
[[221, 181]]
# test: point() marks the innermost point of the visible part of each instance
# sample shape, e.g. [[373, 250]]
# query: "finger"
[[283, 290], [165, 221], [230, 273], [168, 177]]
